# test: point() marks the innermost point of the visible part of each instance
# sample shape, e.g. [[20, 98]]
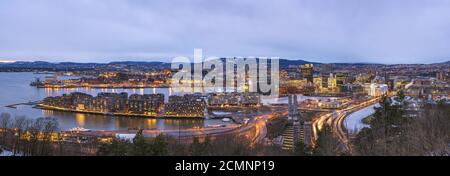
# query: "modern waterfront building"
[[247, 99], [189, 105], [147, 104]]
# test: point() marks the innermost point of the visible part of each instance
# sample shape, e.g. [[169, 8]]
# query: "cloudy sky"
[[382, 31]]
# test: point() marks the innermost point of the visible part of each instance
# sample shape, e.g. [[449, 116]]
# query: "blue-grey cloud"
[[413, 31]]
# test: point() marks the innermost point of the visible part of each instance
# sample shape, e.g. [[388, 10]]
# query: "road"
[[255, 130], [183, 133], [336, 119]]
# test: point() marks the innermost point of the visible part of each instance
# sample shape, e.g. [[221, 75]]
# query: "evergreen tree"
[[198, 148], [327, 144], [140, 145], [158, 146], [117, 147], [386, 129], [300, 149]]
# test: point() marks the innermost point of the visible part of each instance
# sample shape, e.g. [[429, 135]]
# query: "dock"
[[30, 103]]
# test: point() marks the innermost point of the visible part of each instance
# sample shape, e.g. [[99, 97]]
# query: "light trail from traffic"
[[336, 119]]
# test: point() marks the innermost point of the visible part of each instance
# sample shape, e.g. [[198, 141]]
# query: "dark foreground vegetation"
[[397, 129]]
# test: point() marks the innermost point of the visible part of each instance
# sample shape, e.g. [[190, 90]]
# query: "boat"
[[226, 120], [44, 72], [216, 126], [37, 82], [80, 129]]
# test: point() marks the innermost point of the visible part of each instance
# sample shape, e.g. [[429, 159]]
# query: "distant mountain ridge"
[[45, 64], [285, 62]]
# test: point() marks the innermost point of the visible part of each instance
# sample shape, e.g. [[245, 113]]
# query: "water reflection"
[[16, 89], [81, 119]]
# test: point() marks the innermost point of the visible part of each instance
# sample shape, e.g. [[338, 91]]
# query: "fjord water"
[[15, 89]]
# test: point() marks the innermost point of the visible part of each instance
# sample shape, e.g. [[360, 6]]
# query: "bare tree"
[[20, 125], [5, 123]]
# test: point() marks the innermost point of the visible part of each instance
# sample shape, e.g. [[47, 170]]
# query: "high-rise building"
[[376, 90], [332, 81], [324, 84], [293, 108], [441, 76], [307, 71], [392, 84], [341, 78]]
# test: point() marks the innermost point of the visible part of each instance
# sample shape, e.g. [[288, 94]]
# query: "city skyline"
[[317, 31]]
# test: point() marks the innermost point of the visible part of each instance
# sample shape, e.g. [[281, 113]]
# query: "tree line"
[[26, 136], [396, 130]]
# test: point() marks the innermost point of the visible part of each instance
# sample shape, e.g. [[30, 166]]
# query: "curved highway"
[[336, 119]]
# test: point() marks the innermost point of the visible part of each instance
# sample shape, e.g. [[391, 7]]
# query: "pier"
[[30, 103]]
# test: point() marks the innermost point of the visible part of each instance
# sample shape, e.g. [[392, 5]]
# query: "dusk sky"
[[379, 31]]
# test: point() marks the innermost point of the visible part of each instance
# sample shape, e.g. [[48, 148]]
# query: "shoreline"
[[40, 106], [99, 87]]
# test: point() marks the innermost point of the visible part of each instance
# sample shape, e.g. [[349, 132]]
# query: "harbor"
[[19, 99]]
